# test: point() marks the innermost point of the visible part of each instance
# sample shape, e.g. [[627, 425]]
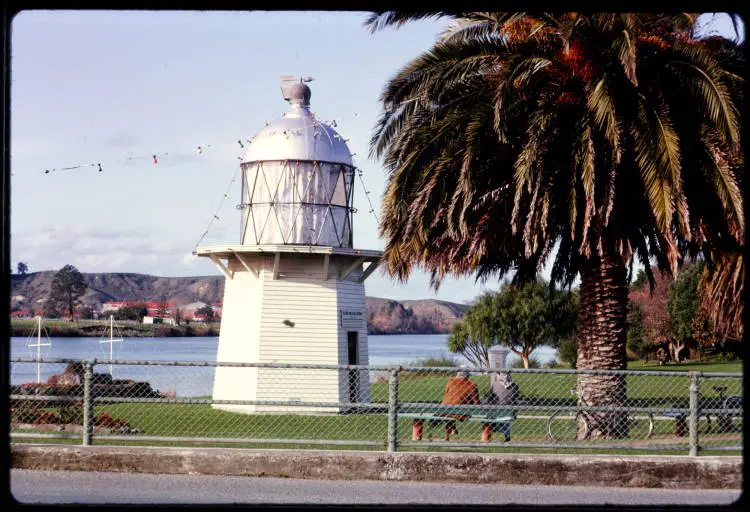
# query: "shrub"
[[725, 357], [23, 414], [442, 361], [555, 364], [533, 363], [105, 420], [48, 417]]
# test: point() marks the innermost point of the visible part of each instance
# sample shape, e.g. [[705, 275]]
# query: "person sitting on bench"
[[504, 391], [459, 391]]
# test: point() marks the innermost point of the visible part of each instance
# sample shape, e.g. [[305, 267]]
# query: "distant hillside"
[[384, 316]]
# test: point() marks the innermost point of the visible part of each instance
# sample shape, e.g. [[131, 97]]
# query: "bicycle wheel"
[[641, 425], [735, 420], [566, 425]]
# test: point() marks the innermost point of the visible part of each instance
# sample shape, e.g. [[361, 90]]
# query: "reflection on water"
[[197, 381]]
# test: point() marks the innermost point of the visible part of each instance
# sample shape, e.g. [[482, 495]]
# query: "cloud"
[[101, 249]]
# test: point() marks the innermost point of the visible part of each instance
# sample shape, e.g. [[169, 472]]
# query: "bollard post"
[[392, 410], [693, 416], [88, 409]]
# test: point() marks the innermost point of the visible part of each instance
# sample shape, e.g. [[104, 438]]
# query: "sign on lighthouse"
[[294, 290]]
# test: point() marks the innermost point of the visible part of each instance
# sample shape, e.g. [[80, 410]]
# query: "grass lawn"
[[705, 366], [554, 389]]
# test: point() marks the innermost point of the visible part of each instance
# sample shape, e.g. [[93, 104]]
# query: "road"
[[29, 486]]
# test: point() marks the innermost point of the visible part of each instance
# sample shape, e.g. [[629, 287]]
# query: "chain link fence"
[[375, 407]]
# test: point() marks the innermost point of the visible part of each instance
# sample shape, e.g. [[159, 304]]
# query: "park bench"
[[487, 415], [680, 417]]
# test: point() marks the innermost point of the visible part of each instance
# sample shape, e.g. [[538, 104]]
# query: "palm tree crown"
[[516, 133]]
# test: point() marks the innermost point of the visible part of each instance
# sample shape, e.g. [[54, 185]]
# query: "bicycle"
[[726, 422], [566, 425]]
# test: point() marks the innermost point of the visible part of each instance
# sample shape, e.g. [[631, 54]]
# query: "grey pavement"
[[30, 486]]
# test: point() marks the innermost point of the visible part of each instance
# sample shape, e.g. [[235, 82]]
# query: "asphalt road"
[[29, 486]]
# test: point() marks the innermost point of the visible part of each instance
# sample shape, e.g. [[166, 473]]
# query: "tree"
[[135, 312], [67, 287], [721, 294], [87, 313], [472, 337], [22, 268], [207, 311], [637, 341], [649, 311], [162, 308], [682, 307], [593, 139], [522, 317]]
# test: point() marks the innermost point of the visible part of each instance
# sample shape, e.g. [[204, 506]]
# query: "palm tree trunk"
[[602, 336]]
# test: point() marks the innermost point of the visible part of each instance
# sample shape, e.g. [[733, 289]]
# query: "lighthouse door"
[[352, 338]]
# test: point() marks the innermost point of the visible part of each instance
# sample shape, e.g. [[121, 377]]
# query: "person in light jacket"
[[504, 391]]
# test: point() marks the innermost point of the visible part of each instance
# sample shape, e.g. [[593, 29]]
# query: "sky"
[[117, 87]]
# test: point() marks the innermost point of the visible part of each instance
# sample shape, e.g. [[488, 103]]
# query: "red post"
[[486, 432], [416, 432]]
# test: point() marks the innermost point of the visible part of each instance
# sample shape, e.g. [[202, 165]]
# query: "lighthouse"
[[294, 290]]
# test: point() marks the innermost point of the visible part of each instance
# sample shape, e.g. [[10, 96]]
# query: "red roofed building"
[[154, 307]]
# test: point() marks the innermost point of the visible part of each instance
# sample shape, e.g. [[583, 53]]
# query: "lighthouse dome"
[[297, 135]]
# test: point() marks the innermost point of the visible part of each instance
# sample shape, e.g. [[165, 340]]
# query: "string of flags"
[[157, 158], [367, 195]]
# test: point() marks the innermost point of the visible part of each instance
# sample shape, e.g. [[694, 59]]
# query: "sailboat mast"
[[38, 348], [111, 337]]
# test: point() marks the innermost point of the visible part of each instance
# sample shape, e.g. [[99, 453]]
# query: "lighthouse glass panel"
[[297, 202]]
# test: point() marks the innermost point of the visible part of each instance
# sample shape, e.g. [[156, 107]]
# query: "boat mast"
[[111, 341], [39, 346]]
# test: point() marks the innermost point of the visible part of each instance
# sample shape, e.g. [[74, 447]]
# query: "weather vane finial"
[[289, 81]]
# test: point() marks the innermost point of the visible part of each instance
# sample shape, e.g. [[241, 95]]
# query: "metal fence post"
[[88, 409], [693, 418], [392, 410]]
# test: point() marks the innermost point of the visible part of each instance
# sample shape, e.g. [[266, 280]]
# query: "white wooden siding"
[[301, 296], [239, 339]]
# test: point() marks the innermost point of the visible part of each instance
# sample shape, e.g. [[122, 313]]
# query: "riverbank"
[[131, 329], [98, 328]]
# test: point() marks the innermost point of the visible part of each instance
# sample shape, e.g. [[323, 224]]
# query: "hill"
[[384, 316]]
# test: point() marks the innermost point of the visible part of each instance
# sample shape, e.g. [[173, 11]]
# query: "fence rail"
[[392, 407]]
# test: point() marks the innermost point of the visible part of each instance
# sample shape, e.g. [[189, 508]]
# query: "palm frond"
[[379, 20], [698, 73], [624, 47], [602, 105]]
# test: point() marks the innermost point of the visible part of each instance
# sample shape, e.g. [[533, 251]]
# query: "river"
[[191, 381]]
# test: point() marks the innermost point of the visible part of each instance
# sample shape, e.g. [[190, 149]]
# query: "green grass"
[[706, 366], [200, 420], [551, 389]]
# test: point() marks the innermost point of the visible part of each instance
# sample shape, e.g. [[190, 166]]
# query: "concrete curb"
[[669, 472]]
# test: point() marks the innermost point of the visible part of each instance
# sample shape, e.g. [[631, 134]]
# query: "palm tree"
[[720, 289], [592, 140]]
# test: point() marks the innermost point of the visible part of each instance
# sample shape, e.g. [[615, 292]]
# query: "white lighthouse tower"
[[294, 290]]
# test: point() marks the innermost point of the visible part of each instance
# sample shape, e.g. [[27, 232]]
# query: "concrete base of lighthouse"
[[292, 305]]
